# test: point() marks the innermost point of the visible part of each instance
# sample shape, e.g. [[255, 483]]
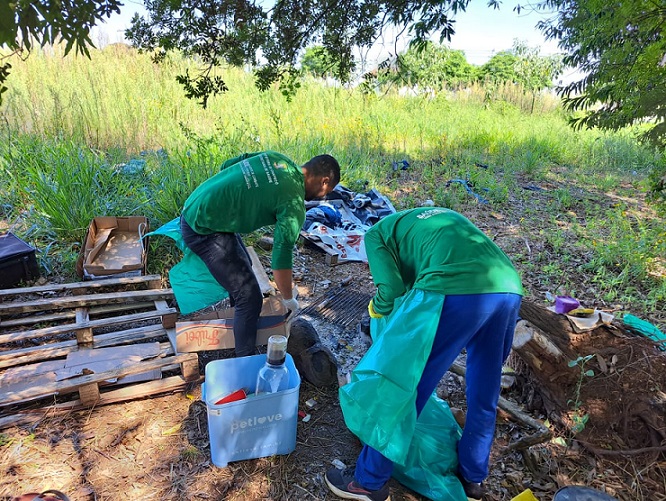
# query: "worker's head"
[[322, 174]]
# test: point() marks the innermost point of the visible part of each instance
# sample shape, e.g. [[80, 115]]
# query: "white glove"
[[291, 305]]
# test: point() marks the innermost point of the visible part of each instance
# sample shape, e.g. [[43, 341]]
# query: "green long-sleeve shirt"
[[437, 250], [252, 191]]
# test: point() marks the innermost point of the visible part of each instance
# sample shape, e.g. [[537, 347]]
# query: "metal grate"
[[340, 306]]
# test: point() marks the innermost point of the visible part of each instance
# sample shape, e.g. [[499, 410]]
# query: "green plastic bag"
[[646, 329], [191, 281], [432, 459], [379, 404]]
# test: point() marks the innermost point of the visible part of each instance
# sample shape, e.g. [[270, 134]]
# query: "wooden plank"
[[259, 272], [102, 359], [90, 285], [169, 315], [8, 397], [89, 394], [84, 335], [67, 314], [54, 350], [80, 362], [142, 390], [190, 368], [83, 324], [31, 374], [60, 303]]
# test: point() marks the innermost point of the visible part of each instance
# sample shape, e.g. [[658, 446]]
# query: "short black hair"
[[324, 165]]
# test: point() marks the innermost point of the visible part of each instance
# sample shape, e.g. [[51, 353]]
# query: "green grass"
[[115, 135]]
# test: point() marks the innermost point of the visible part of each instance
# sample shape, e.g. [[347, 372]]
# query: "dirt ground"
[[158, 448]]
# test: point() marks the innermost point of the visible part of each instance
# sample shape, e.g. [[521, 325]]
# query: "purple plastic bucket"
[[564, 304]]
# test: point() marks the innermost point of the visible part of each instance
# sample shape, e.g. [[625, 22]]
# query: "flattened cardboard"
[[114, 247], [214, 330]]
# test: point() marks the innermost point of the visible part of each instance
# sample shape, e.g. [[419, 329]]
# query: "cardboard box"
[[114, 247], [258, 426], [214, 330], [17, 261]]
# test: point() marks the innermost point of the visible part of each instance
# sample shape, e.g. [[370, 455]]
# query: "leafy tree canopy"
[[619, 47], [432, 65], [317, 62], [500, 68], [524, 65], [25, 22], [270, 36]]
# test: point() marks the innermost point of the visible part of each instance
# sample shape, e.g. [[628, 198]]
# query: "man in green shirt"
[[437, 257], [252, 191]]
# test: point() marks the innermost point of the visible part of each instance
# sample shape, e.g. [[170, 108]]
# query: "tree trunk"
[[619, 387]]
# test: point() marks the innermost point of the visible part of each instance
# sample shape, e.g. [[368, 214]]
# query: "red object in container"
[[232, 397]]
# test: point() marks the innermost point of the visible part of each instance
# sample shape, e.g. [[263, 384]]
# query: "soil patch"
[[157, 448]]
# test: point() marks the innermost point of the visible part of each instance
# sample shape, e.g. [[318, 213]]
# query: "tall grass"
[[71, 128]]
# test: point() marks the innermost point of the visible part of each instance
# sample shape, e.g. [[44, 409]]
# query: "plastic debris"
[[467, 185], [526, 495], [646, 329], [564, 304], [232, 397], [338, 464], [310, 404], [402, 165], [508, 377]]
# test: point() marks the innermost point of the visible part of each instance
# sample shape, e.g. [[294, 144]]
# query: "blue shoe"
[[343, 484]]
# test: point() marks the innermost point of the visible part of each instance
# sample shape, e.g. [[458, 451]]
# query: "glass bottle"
[[274, 375]]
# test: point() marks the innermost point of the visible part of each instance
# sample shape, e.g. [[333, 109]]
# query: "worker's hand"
[[291, 305], [372, 312]]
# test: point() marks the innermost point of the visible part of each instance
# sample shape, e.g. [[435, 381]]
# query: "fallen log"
[[604, 385]]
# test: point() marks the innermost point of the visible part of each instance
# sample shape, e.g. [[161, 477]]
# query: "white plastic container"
[[258, 426]]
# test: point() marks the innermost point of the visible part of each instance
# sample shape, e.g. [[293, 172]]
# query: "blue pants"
[[229, 262], [484, 325]]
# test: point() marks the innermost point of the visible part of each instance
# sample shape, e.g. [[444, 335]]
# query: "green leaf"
[[8, 28], [559, 441]]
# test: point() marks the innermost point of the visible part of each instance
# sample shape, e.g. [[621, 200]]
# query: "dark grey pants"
[[228, 261]]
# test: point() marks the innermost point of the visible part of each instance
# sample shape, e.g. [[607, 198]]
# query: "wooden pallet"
[[85, 337]]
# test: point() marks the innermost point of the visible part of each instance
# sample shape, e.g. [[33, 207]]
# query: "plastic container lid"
[[580, 493]]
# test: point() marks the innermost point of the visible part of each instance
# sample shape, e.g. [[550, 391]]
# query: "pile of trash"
[[342, 219]]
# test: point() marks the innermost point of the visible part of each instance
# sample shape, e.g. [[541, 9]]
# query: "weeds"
[[70, 139], [578, 417]]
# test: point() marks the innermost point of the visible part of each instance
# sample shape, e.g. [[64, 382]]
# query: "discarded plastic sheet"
[[468, 188], [646, 329], [341, 221]]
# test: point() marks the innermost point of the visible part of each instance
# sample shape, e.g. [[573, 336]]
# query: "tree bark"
[[620, 387]]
